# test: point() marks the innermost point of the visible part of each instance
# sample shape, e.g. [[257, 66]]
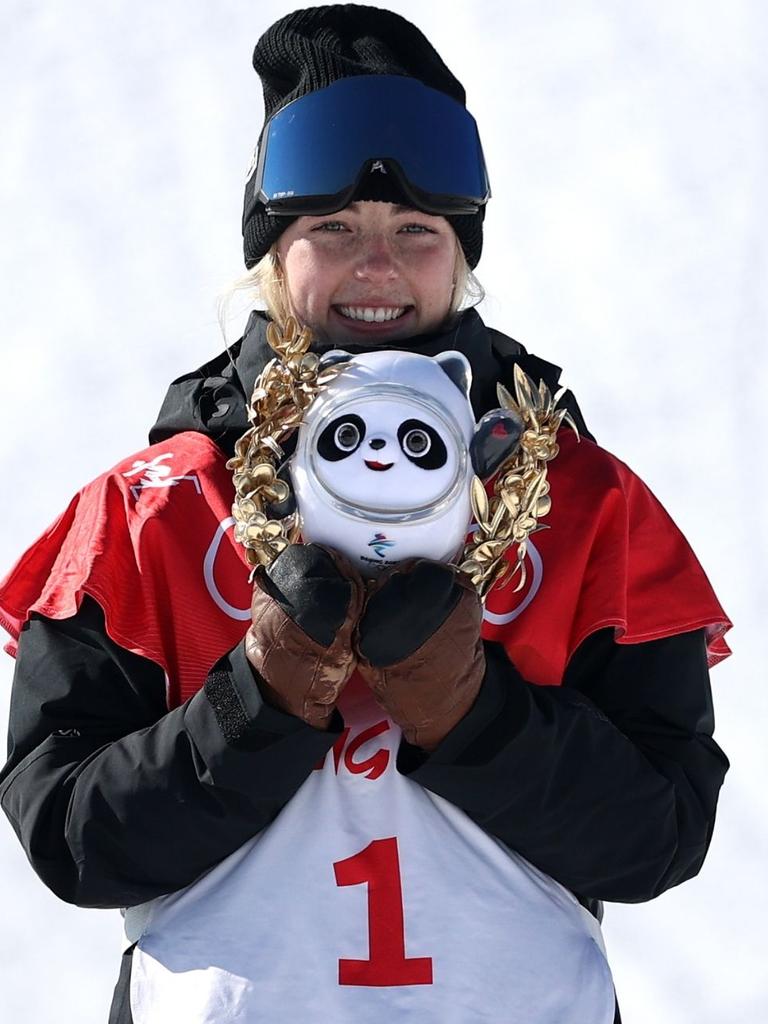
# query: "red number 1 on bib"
[[378, 866]]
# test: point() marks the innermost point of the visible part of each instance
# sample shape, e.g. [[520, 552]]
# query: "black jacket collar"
[[214, 398]]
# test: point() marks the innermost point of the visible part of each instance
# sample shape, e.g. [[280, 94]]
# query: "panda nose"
[[377, 443]]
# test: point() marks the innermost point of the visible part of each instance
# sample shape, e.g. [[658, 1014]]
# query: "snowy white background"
[[626, 141]]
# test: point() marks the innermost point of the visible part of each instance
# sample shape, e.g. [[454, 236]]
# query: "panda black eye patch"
[[341, 437], [422, 444]]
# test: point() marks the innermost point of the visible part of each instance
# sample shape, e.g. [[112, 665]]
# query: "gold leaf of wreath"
[[520, 492], [284, 390]]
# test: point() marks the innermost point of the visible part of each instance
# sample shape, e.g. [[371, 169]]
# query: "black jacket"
[[608, 783]]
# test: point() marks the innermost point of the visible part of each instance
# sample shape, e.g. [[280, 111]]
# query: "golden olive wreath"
[[505, 518]]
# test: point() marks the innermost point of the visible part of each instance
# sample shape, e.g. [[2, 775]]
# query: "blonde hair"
[[263, 286]]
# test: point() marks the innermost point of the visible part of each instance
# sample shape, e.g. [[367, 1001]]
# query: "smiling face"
[[373, 273]]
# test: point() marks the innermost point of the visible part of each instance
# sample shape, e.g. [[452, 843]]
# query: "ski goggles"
[[314, 152]]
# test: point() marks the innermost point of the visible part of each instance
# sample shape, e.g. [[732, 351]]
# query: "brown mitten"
[[305, 608], [420, 648]]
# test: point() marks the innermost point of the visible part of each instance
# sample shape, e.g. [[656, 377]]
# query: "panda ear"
[[497, 436], [334, 357], [278, 510], [456, 366]]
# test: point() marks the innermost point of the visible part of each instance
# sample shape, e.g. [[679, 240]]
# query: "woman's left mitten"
[[420, 650]]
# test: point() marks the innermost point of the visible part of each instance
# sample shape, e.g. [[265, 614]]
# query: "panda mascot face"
[[384, 461], [389, 453]]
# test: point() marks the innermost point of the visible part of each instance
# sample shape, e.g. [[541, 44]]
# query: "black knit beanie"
[[310, 49]]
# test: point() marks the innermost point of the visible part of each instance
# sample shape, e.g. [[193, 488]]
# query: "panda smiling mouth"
[[379, 466]]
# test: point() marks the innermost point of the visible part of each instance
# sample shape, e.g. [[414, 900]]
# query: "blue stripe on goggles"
[[314, 152]]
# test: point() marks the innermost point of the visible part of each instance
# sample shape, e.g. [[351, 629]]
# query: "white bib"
[[369, 900]]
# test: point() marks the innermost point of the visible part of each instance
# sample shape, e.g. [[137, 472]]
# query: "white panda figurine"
[[386, 454]]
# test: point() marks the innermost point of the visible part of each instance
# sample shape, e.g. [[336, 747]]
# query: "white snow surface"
[[625, 241]]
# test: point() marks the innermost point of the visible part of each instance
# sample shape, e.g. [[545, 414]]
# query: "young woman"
[[210, 755]]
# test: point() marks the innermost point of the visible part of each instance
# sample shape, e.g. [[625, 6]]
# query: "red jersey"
[[152, 542]]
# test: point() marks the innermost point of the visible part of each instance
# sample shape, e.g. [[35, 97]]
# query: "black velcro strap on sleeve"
[[227, 708]]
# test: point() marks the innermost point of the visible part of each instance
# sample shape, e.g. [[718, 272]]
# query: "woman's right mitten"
[[305, 608]]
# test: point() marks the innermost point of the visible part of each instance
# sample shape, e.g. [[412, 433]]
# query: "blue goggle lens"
[[315, 150]]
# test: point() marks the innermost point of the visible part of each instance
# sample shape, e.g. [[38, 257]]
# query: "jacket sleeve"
[[608, 783], [117, 800]]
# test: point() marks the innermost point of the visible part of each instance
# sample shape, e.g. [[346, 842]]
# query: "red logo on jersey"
[[344, 754]]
